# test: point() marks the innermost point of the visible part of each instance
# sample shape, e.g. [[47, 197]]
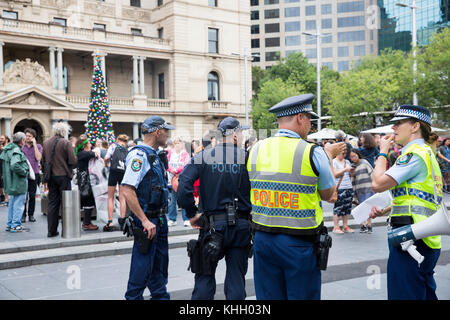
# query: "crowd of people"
[[22, 167]]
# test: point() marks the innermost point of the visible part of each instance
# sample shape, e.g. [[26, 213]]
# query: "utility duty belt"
[[230, 216], [156, 213]]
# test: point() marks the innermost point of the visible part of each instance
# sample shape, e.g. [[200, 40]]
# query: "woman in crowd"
[[343, 205], [444, 157], [178, 159], [116, 155], [369, 150], [84, 154], [362, 183]]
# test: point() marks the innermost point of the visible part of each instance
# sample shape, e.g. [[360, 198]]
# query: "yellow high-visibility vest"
[[283, 181], [417, 199]]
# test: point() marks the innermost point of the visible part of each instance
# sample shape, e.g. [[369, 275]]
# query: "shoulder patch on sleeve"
[[404, 159], [136, 164]]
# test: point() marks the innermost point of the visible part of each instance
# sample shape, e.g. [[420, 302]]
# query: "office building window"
[[273, 56], [254, 2], [10, 15], [342, 51], [213, 86], [292, 41], [271, 14], [136, 31], [213, 40], [255, 43], [327, 52], [329, 65], [292, 12], [254, 29], [310, 24], [161, 91], [343, 65], [311, 53], [360, 50], [350, 6], [289, 52], [272, 27], [271, 1], [291, 1], [327, 23], [272, 42], [60, 21], [137, 3], [212, 3], [356, 21], [327, 38], [292, 26], [254, 15], [310, 10], [326, 9], [99, 26], [160, 3], [351, 36]]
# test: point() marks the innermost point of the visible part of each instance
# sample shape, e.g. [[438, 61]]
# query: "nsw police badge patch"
[[404, 159], [136, 165]]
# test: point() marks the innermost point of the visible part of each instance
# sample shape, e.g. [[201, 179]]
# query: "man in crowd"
[[15, 172], [33, 152], [61, 153]]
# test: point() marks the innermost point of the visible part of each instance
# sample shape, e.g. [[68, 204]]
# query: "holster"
[[142, 240], [322, 248]]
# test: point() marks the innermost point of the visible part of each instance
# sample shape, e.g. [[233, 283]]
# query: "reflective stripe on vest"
[[417, 199], [284, 199]]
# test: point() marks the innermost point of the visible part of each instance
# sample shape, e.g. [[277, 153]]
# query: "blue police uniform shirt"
[[320, 159], [415, 170], [136, 168]]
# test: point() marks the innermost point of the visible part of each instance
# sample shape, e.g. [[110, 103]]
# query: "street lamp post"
[[246, 56], [319, 103], [414, 43]]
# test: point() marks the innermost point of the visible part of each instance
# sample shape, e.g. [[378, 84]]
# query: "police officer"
[[145, 187], [225, 197], [412, 187], [289, 177]]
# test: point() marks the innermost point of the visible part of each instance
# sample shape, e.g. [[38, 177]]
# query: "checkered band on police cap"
[[294, 110], [416, 112]]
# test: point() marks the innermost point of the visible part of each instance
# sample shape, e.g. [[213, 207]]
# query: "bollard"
[[71, 214]]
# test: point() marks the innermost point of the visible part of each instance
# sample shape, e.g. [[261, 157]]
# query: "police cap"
[[294, 105], [411, 111], [229, 125], [154, 123]]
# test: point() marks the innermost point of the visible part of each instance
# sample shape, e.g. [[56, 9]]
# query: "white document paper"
[[362, 211]]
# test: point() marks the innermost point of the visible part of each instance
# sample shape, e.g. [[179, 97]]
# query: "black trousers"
[[30, 203], [56, 186]]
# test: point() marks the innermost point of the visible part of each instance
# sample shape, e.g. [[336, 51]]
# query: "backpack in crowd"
[[118, 158]]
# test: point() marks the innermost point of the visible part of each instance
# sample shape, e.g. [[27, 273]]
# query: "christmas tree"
[[98, 125]]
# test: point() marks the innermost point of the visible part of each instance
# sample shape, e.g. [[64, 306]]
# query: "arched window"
[[213, 86]]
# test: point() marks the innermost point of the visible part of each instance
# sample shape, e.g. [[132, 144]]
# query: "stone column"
[[52, 65], [103, 55], [135, 130], [135, 76], [60, 69], [141, 76], [2, 67], [8, 128]]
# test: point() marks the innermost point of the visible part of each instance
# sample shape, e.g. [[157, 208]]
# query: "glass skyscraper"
[[396, 22]]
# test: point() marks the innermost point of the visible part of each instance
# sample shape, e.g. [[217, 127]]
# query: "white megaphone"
[[437, 224]]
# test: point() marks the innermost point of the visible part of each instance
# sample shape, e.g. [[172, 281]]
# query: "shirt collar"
[[287, 133], [419, 141]]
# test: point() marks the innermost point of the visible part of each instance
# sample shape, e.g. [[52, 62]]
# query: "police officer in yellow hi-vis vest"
[[413, 189], [289, 177]]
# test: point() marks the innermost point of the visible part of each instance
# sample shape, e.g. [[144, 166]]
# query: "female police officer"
[[146, 192], [412, 187]]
